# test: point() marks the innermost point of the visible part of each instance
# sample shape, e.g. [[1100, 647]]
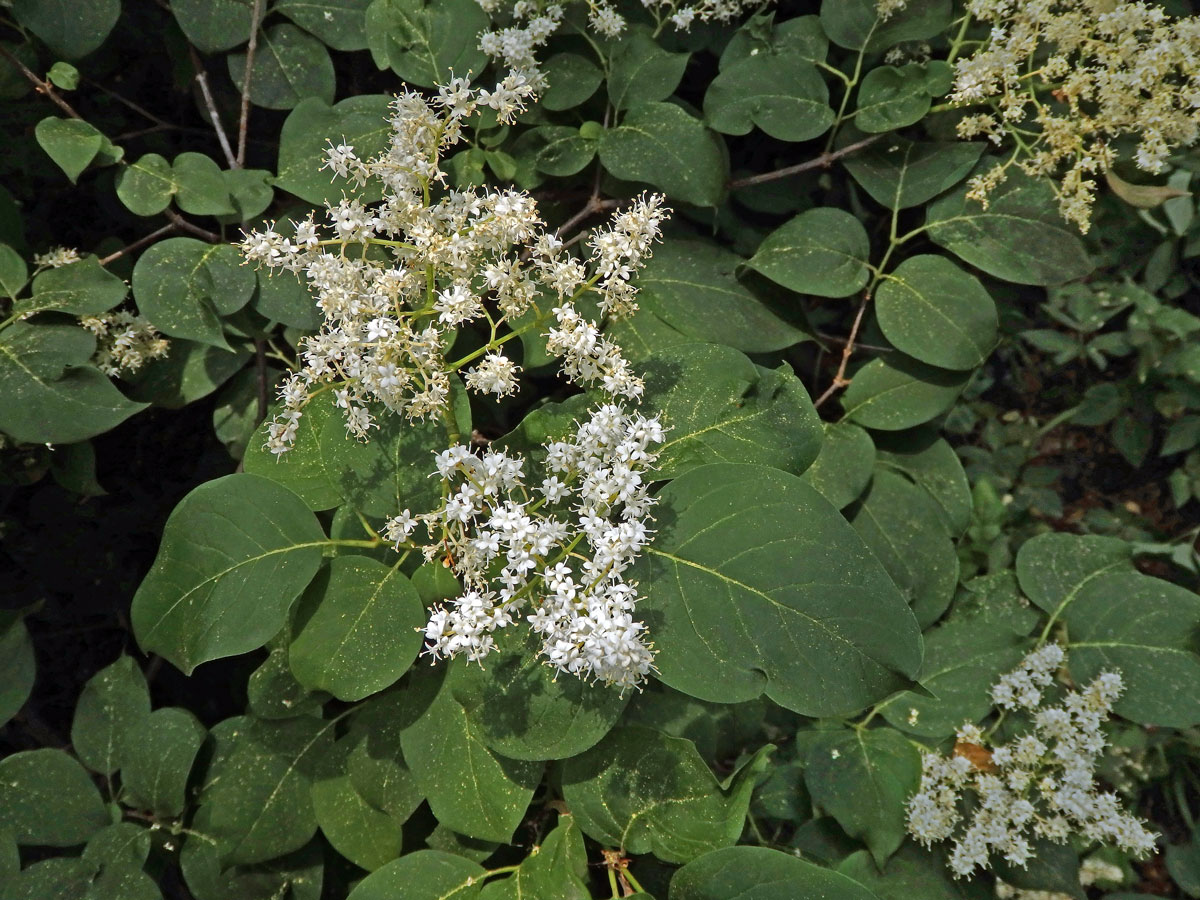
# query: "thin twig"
[[140, 242], [218, 127], [824, 161], [839, 379], [43, 87], [183, 224], [140, 110], [244, 117]]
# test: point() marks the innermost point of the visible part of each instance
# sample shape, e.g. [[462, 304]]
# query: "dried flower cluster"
[[124, 341], [1040, 784], [1066, 78], [56, 258], [396, 283], [532, 22]]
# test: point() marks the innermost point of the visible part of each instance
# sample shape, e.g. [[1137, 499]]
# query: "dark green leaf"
[[899, 173], [640, 71], [423, 42], [68, 28], [288, 67], [18, 668], [359, 121], [235, 553], [83, 288], [114, 703], [215, 25], [46, 798], [200, 187], [156, 760], [758, 873], [843, 468], [756, 584], [857, 25], [71, 143], [822, 251], [339, 23], [896, 392], [573, 79], [424, 875], [147, 185]]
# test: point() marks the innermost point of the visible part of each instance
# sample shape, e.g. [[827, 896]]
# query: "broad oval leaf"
[[664, 146], [215, 25], [822, 251], [1020, 236], [896, 392], [360, 121], [423, 875], [363, 634], [858, 24], [640, 71], [759, 873], [755, 583], [235, 553], [114, 703], [157, 758], [288, 67], [779, 90], [68, 28], [899, 173], [423, 41], [842, 469], [83, 288], [645, 792], [46, 798]]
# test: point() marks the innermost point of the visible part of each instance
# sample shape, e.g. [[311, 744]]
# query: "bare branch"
[[140, 242], [218, 126], [824, 161], [184, 225], [839, 379], [42, 87], [244, 118]]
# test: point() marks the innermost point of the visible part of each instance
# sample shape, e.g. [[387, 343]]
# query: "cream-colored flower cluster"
[[1065, 79], [532, 22], [124, 341], [398, 283], [1039, 784]]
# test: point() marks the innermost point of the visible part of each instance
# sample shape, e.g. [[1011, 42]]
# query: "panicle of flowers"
[[1040, 784], [1066, 78], [395, 281], [561, 541], [56, 258], [530, 23], [124, 341], [885, 9]]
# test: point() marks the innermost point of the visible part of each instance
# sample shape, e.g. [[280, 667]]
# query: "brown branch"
[[244, 117], [839, 379], [140, 242], [824, 161], [184, 225], [42, 87], [218, 127]]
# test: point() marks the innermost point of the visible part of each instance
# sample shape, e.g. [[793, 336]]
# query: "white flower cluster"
[[532, 22], [1065, 78], [56, 258], [427, 261], [124, 341], [396, 283], [564, 544], [1041, 784]]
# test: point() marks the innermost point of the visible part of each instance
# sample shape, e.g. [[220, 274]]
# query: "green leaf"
[[903, 528], [83, 288], [215, 25], [573, 79], [57, 878], [364, 835], [147, 186], [758, 873], [912, 872], [779, 90], [899, 173], [424, 875], [756, 584], [645, 792], [114, 702], [66, 76], [18, 668], [200, 187], [51, 396], [844, 466], [182, 284], [555, 870], [801, 35], [522, 709], [375, 764], [856, 24], [71, 30], [896, 392], [341, 24], [863, 778], [13, 272], [471, 789], [423, 41], [689, 287], [272, 691], [297, 876], [47, 799], [1119, 620], [327, 466], [360, 121], [1020, 237], [721, 407], [288, 66], [564, 152], [283, 297], [931, 463], [251, 191], [71, 143], [964, 657], [235, 553], [364, 633], [640, 71], [157, 758], [662, 145], [256, 803], [892, 97], [822, 251]]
